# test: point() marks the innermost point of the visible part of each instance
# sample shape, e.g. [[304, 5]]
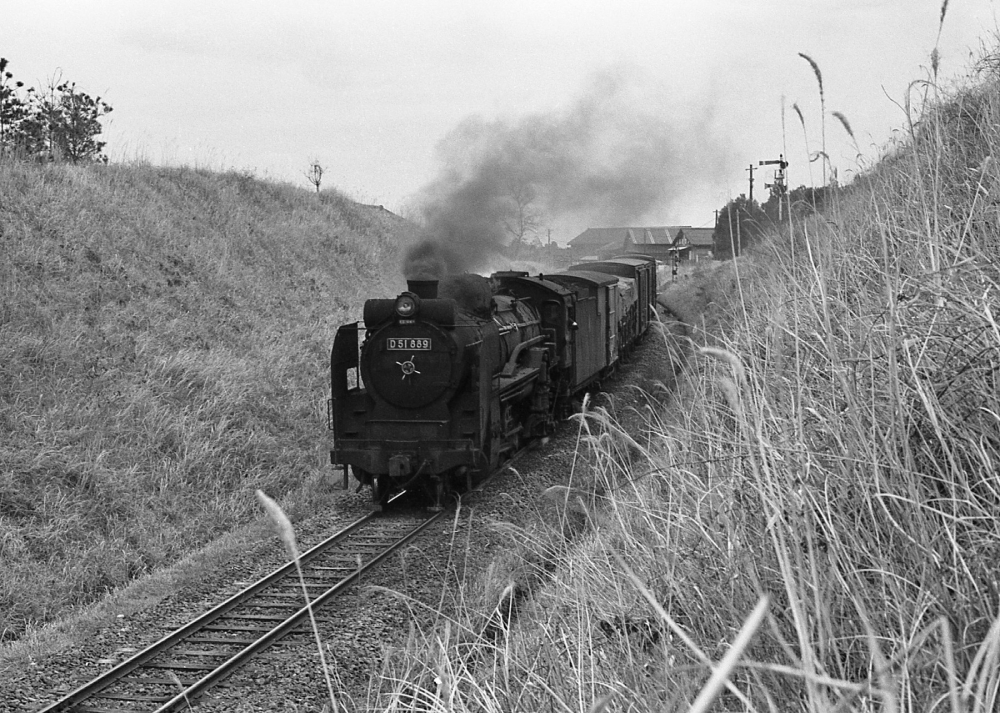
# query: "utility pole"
[[751, 170]]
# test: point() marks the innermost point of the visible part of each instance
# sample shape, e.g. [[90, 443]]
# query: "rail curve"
[[172, 673]]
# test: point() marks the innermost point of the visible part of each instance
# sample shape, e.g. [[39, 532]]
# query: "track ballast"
[[174, 672]]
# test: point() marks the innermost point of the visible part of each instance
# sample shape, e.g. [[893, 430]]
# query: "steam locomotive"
[[437, 387]]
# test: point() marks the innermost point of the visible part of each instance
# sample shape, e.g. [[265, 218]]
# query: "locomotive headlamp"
[[406, 305]]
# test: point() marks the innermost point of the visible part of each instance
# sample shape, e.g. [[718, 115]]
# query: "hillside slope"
[[164, 336], [811, 523]]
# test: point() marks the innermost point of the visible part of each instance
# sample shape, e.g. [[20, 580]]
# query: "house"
[[700, 241], [665, 243]]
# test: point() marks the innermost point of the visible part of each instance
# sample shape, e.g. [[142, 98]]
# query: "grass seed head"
[[281, 523], [726, 357], [798, 112], [815, 69], [844, 122]]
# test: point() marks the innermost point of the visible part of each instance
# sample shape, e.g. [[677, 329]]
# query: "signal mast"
[[779, 187]]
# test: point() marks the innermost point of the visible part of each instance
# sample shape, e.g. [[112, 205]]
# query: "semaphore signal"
[[779, 186]]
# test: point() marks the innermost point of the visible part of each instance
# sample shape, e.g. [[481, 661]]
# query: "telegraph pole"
[[751, 170]]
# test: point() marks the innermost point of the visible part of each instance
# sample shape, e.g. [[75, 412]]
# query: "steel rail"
[[197, 689], [115, 674]]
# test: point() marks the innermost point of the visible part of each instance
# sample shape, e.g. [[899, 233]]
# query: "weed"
[[812, 524]]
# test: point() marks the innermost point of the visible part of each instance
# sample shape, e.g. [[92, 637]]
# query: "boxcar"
[[640, 269]]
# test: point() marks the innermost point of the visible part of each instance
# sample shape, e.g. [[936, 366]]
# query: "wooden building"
[[665, 243]]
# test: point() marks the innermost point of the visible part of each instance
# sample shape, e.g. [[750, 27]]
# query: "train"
[[439, 386]]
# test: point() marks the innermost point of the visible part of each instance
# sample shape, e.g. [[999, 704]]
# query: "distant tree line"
[[742, 222], [57, 123]]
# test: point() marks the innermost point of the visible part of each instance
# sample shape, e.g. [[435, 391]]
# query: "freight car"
[[438, 386]]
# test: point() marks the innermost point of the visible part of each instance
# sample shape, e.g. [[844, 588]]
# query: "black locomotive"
[[452, 377]]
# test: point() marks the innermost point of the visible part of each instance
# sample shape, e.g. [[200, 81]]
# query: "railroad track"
[[174, 672]]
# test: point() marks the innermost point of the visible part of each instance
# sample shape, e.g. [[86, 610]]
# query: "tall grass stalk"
[[822, 110], [286, 533]]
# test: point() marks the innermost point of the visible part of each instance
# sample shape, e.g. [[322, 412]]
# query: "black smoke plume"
[[614, 156]]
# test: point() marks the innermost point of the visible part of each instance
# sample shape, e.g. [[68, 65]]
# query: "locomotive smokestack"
[[424, 289]]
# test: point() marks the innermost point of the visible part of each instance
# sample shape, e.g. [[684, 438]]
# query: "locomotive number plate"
[[408, 344]]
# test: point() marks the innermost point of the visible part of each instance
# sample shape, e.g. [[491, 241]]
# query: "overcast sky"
[[372, 89]]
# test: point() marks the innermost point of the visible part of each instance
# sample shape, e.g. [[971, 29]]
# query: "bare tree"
[[315, 174], [521, 216]]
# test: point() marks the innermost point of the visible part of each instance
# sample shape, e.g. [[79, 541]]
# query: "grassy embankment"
[[831, 456], [164, 337]]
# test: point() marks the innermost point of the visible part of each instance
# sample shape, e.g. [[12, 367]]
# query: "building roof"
[[598, 236], [595, 238], [699, 237], [649, 236]]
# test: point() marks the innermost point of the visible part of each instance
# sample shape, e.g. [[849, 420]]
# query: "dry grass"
[[164, 336], [813, 525]]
